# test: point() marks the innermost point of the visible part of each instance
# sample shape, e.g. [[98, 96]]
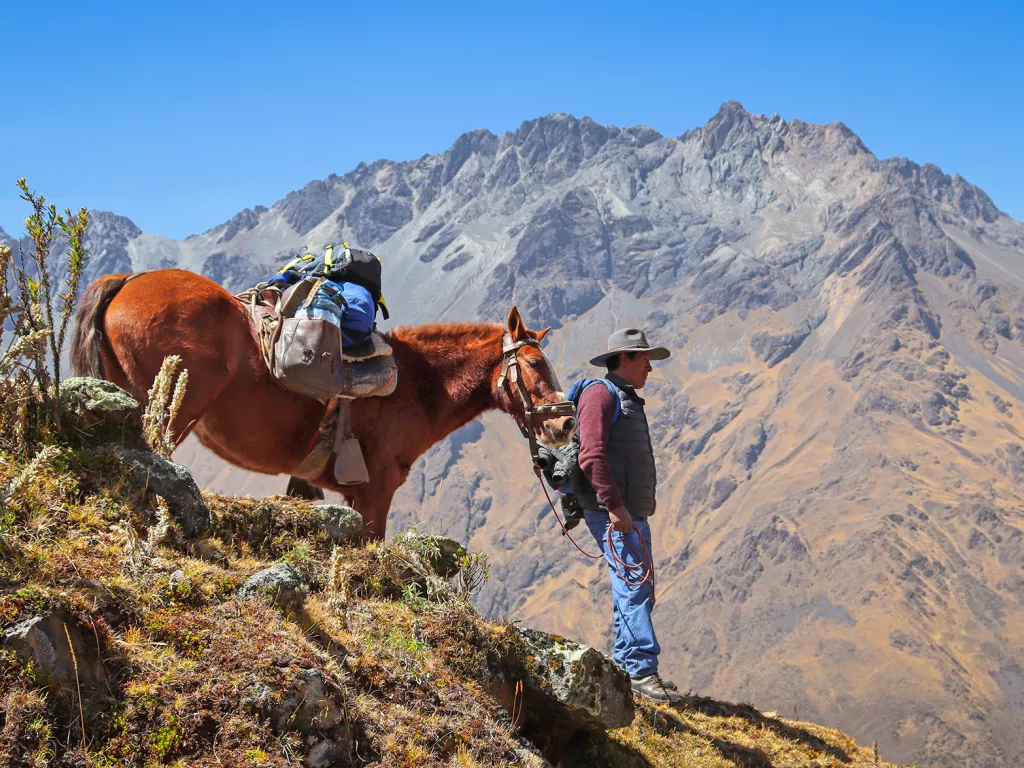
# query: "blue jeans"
[[636, 647]]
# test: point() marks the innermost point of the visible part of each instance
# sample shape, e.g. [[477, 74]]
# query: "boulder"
[[575, 685], [174, 484], [296, 700], [326, 753], [343, 525], [306, 704], [42, 640], [279, 585], [99, 407]]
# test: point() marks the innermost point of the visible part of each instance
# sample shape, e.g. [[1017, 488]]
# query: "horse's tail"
[[87, 341]]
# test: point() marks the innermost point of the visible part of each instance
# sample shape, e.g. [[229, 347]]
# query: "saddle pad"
[[375, 346]]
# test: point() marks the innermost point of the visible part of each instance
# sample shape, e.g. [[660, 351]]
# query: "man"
[[617, 460]]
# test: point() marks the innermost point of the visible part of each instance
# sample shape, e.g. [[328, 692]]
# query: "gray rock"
[[343, 525], [176, 579], [174, 484], [42, 640], [325, 753], [1003, 406], [773, 349], [722, 490], [280, 585], [754, 438], [306, 705], [295, 700], [95, 405], [579, 684]]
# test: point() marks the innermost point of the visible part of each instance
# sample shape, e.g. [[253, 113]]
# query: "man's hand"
[[620, 519]]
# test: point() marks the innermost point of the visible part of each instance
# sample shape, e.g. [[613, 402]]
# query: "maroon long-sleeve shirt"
[[594, 416]]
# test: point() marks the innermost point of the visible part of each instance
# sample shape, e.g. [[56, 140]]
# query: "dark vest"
[[630, 455]]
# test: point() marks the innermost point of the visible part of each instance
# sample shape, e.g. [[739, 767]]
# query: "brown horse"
[[448, 375]]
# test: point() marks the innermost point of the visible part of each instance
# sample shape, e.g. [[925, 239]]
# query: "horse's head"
[[528, 389]]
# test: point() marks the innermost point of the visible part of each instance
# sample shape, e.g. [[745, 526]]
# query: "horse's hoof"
[[303, 489]]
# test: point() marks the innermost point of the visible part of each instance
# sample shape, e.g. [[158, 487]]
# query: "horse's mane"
[[433, 332], [434, 346]]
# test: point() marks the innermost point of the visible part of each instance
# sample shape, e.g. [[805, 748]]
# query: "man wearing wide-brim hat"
[[619, 494]]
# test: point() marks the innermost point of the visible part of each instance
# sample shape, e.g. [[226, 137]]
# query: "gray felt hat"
[[629, 340]]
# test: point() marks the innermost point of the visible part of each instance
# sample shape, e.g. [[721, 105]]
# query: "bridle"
[[511, 381]]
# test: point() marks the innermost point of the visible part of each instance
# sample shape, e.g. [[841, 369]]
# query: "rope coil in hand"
[[632, 575]]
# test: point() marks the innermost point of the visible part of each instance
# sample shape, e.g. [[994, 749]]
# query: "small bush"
[[38, 320]]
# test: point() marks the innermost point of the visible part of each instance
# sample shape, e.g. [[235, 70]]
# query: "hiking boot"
[[652, 687], [670, 686]]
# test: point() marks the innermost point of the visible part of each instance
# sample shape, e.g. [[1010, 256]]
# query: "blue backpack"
[[350, 306], [576, 392]]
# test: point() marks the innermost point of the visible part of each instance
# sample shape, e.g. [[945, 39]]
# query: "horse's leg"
[[373, 503], [303, 489], [372, 500]]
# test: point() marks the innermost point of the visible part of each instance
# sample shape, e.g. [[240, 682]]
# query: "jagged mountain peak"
[[951, 191], [734, 127], [105, 223], [731, 126], [480, 139], [477, 142], [245, 219], [731, 110]]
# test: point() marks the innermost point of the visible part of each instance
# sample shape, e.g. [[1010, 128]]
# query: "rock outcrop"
[[342, 525], [59, 648], [174, 484], [581, 687], [279, 585]]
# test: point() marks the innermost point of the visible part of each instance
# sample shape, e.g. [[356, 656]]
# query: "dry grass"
[[703, 733]]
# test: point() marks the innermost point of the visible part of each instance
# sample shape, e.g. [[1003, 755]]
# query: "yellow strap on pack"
[[328, 258], [295, 262]]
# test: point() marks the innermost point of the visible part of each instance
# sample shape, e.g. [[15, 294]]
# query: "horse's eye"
[[534, 362]]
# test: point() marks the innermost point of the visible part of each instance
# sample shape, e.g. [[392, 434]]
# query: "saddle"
[[303, 352]]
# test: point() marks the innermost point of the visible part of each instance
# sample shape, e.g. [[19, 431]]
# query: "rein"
[[534, 416], [631, 575]]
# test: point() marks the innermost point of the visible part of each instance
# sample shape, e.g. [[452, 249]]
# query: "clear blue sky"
[[180, 115]]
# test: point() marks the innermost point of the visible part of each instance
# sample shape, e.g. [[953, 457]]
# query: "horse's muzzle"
[[556, 422]]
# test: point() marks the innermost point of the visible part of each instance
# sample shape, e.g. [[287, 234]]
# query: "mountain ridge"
[[728, 114]]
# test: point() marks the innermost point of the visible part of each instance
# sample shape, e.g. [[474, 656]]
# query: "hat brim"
[[656, 353]]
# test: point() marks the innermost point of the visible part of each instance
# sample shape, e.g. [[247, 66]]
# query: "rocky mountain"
[[839, 532]]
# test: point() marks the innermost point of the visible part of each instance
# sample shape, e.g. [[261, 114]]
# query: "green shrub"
[[37, 321]]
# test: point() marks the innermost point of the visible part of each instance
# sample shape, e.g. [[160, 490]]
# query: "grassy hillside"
[[383, 663]]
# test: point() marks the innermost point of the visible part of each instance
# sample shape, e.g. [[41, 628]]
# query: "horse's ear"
[[516, 326], [539, 335]]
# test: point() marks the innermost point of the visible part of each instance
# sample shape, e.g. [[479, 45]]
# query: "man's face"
[[634, 371]]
